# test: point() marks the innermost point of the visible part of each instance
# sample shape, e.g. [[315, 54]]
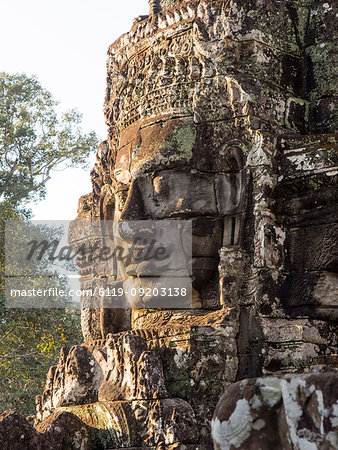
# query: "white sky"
[[64, 43]]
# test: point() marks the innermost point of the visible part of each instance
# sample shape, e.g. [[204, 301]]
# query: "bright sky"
[[64, 43]]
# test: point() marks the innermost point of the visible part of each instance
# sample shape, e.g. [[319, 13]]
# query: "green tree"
[[35, 138], [30, 339]]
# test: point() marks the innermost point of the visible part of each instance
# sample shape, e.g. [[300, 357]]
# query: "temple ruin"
[[221, 113]]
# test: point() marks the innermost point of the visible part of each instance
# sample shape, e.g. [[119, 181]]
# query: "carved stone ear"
[[134, 206]]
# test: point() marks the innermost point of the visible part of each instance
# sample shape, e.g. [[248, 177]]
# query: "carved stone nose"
[[154, 6]]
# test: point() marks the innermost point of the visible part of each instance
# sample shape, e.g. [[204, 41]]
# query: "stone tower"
[[220, 113]]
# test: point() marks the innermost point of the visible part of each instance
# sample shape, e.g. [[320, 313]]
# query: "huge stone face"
[[205, 104], [220, 113], [209, 107]]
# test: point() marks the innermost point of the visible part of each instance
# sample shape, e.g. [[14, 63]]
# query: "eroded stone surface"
[[281, 412], [121, 368], [61, 431], [133, 372], [222, 113]]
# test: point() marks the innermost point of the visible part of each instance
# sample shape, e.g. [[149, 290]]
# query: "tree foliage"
[[35, 138], [30, 339]]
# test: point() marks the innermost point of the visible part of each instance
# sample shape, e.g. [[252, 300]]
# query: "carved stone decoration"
[[123, 374], [221, 113], [133, 372], [154, 6], [119, 370]]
